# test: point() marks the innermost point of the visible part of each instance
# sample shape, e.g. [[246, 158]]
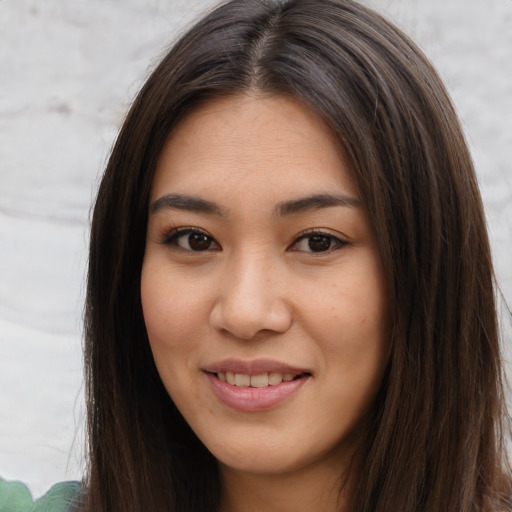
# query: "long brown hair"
[[434, 439]]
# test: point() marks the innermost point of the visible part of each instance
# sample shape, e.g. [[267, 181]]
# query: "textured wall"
[[67, 73]]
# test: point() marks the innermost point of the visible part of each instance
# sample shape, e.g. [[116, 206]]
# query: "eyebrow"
[[188, 203], [294, 206], [316, 202]]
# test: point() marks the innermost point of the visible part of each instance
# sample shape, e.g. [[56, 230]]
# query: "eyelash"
[[335, 244], [172, 238]]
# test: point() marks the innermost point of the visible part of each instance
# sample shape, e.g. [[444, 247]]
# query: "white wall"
[[68, 71]]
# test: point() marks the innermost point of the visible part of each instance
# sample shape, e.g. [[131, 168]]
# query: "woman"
[[290, 298]]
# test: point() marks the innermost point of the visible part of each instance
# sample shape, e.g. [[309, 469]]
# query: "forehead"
[[255, 142]]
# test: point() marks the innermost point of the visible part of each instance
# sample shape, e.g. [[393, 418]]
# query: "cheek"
[[171, 320], [171, 308], [353, 307], [350, 321]]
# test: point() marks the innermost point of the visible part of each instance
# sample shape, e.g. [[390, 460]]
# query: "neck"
[[313, 488]]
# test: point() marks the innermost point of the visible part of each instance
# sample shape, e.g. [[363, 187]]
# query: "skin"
[[256, 289]]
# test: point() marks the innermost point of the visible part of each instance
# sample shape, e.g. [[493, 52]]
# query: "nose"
[[251, 299]]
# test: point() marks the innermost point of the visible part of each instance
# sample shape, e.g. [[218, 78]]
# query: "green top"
[[15, 497]]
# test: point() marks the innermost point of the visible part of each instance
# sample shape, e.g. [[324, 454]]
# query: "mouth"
[[258, 385], [261, 380]]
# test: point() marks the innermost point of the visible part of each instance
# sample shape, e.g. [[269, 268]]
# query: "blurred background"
[[68, 71]]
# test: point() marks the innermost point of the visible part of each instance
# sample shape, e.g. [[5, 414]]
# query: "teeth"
[[259, 381], [241, 380], [255, 381], [275, 378]]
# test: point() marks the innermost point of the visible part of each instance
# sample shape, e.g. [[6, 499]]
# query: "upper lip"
[[253, 367]]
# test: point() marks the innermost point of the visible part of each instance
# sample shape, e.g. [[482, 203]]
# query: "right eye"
[[191, 239]]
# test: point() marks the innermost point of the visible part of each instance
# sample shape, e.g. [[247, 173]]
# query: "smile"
[[255, 386], [262, 380]]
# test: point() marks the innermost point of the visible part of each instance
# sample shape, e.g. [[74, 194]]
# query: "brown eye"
[[190, 239], [198, 242], [318, 243]]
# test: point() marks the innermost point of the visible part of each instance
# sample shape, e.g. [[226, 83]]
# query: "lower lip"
[[249, 399]]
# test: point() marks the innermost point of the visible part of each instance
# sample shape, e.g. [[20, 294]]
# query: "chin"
[[269, 457], [262, 463]]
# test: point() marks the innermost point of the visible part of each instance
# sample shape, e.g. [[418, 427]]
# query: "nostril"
[[245, 319]]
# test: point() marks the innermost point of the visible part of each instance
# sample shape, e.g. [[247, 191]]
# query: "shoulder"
[[62, 497]]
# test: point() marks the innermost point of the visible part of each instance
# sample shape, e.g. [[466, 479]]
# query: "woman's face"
[[263, 293]]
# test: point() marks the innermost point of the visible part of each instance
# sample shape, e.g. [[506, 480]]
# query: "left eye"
[[317, 242]]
